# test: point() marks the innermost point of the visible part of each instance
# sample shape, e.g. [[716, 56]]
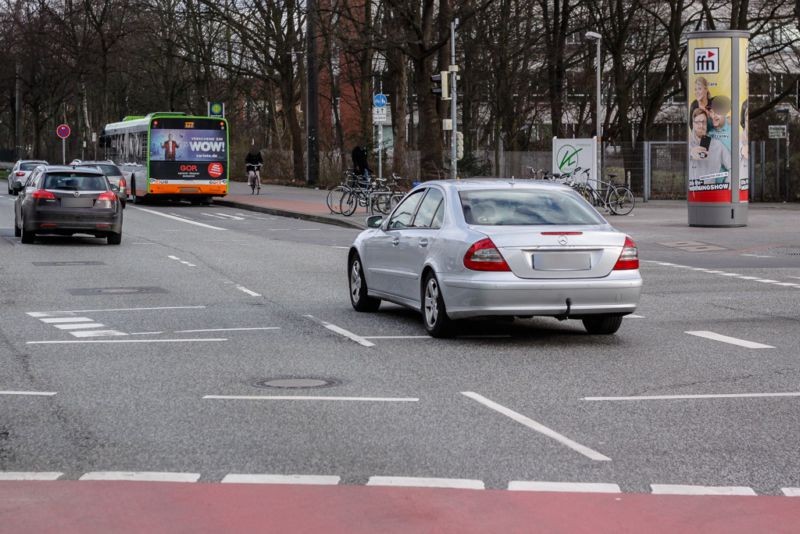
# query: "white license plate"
[[70, 202], [562, 261]]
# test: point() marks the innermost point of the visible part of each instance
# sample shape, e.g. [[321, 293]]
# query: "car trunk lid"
[[539, 252]]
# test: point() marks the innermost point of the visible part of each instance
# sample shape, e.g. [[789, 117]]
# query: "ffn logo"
[[706, 60]]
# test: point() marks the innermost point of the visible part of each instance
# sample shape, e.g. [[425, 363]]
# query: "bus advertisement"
[[170, 154]]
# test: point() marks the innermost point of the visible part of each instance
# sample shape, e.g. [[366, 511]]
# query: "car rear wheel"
[[434, 311], [359, 298], [27, 237], [17, 231], [114, 239], [602, 324]]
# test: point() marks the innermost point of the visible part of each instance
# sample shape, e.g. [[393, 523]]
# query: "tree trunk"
[[430, 127], [399, 111]]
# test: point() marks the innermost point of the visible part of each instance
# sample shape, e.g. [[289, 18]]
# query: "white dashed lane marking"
[[317, 480], [421, 482], [727, 274], [677, 489], [81, 327], [571, 487], [29, 393], [538, 427], [141, 476], [29, 475], [727, 339], [188, 264]]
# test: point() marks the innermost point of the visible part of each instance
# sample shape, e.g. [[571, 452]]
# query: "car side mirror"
[[115, 188], [374, 221]]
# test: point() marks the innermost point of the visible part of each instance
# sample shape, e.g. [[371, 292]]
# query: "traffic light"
[[459, 145], [440, 85]]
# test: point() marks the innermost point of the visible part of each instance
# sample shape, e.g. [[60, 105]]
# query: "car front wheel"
[[359, 297], [434, 311], [114, 239], [602, 324]]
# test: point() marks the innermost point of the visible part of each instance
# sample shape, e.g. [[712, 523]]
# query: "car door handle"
[[395, 241], [423, 242]]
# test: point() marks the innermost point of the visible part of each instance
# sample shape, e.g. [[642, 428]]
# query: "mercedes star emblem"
[[76, 194], [562, 240]]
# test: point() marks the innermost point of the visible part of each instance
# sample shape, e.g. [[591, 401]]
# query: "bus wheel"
[[134, 198]]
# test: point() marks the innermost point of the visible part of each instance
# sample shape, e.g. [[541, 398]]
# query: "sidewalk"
[[309, 204], [297, 202]]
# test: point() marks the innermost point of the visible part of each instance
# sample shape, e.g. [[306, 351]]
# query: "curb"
[[285, 213]]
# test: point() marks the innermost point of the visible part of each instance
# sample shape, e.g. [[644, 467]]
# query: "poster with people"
[[710, 137], [188, 149], [744, 123]]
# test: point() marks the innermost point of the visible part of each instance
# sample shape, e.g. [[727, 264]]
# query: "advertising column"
[[718, 156]]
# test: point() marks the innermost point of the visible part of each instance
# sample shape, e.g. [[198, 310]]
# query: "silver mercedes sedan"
[[458, 249]]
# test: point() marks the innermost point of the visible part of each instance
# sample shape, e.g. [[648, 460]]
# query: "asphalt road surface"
[[155, 356]]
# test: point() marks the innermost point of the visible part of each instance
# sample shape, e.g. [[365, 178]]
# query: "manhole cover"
[[114, 290], [786, 251], [65, 263], [291, 382]]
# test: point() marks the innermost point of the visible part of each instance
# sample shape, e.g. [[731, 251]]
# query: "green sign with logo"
[[216, 109]]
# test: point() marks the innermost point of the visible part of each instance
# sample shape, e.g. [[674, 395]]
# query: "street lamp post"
[[594, 36]]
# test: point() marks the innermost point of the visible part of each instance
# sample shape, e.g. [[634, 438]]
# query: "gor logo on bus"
[[215, 170], [188, 168]]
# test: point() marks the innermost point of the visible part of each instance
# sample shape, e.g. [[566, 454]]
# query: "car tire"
[[114, 239], [602, 324], [357, 284], [26, 236], [17, 231], [134, 198], [434, 310]]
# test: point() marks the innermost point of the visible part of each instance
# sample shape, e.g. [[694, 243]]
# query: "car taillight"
[[629, 257], [43, 194], [122, 184], [484, 256], [105, 200], [20, 173]]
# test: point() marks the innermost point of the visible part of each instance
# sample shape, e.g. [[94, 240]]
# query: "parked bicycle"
[[616, 199]]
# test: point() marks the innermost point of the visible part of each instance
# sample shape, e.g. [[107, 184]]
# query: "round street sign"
[[379, 100], [63, 131]]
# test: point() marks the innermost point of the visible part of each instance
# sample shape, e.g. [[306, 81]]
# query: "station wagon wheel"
[[359, 297], [434, 311]]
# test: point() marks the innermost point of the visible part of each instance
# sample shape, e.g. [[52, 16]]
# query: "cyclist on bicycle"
[[253, 162]]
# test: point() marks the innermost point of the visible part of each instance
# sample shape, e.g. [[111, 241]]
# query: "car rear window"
[[526, 207], [30, 166], [75, 181], [109, 170]]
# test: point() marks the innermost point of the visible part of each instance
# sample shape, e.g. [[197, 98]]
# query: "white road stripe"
[[141, 476], [337, 246], [213, 216], [51, 313], [309, 398], [189, 340], [97, 333], [78, 326], [342, 332], [538, 427], [227, 329], [146, 333], [634, 316], [571, 487], [704, 396], [249, 292], [766, 281], [30, 475], [750, 277], [181, 219], [422, 482], [321, 480], [226, 216], [397, 337], [726, 339], [791, 492], [55, 320], [29, 393], [677, 489]]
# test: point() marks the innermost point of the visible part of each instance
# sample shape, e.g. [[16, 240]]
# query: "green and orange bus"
[[170, 155]]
